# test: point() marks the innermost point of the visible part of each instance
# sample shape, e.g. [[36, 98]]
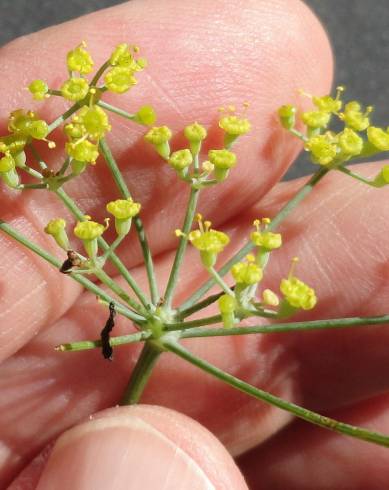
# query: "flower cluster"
[[220, 161], [88, 231], [23, 127], [242, 300], [357, 138]]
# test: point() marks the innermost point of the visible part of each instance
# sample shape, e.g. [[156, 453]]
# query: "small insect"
[[106, 348], [73, 260]]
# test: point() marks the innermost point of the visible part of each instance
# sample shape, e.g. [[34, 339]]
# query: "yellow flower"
[[83, 151], [296, 292], [119, 79], [180, 160], [227, 306], [38, 89], [322, 148], [270, 298], [208, 241], [159, 137], [195, 133], [90, 121], [7, 163], [316, 119], [57, 229], [80, 60], [287, 115], [329, 104], [122, 56], [354, 118], [267, 240], [378, 137], [89, 231], [123, 210], [235, 125], [145, 115], [382, 178], [27, 124], [247, 273], [350, 143], [75, 89], [223, 161]]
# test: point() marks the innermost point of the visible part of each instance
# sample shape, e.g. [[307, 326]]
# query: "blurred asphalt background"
[[358, 29]]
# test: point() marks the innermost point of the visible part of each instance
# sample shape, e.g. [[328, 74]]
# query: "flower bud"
[[123, 210], [57, 229], [227, 306], [287, 115], [223, 160], [159, 137], [89, 231], [195, 133]]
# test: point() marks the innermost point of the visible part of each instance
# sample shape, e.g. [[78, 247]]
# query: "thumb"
[[140, 447]]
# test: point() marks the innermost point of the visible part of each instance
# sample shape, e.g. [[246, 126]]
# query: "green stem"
[[194, 323], [32, 172], [283, 213], [356, 176], [188, 221], [31, 186], [148, 260], [99, 73], [303, 413], [218, 279], [65, 166], [95, 344], [200, 305], [60, 119], [38, 158], [89, 285], [287, 327], [116, 110], [299, 135], [141, 374], [76, 211], [105, 279]]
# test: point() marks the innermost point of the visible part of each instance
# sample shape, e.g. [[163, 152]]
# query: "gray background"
[[358, 30]]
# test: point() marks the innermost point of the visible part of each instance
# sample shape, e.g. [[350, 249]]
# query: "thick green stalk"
[[141, 374], [188, 221], [283, 327], [283, 213], [148, 259], [303, 413], [89, 285], [77, 213]]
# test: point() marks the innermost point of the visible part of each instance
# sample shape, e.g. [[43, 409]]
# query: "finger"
[[305, 457], [283, 364], [144, 447], [203, 64]]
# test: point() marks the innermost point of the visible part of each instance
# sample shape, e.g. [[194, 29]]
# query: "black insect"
[[73, 260], [106, 348]]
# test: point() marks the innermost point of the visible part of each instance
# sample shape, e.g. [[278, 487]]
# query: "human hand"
[[201, 56]]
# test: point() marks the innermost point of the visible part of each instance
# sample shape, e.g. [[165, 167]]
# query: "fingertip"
[[140, 447]]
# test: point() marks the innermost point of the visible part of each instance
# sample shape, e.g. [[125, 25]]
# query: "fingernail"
[[121, 452]]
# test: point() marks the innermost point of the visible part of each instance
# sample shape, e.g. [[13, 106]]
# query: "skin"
[[343, 256]]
